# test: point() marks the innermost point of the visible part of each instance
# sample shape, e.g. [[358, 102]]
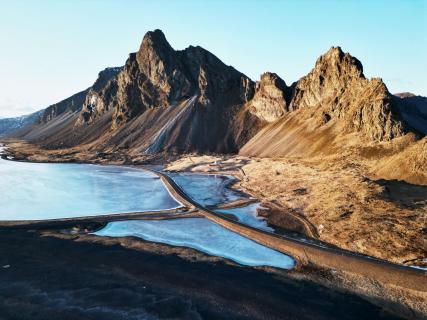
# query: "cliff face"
[[96, 101], [71, 104]]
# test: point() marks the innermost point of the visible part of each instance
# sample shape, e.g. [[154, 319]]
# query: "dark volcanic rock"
[[104, 86], [413, 110], [182, 100], [71, 104]]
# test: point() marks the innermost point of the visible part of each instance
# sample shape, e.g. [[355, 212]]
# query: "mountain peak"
[[156, 36], [338, 90], [271, 98], [339, 62], [153, 44]]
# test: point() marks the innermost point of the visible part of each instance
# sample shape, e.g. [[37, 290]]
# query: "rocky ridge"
[[338, 90], [333, 108], [272, 98], [167, 100]]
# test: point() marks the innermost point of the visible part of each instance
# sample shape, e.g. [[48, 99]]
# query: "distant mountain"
[[414, 110], [58, 120], [11, 125]]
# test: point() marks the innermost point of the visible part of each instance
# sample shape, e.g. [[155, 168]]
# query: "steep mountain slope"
[[334, 106]]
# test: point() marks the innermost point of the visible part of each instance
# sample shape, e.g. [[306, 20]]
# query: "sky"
[[51, 49]]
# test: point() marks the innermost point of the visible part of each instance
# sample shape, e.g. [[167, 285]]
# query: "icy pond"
[[39, 191], [203, 235]]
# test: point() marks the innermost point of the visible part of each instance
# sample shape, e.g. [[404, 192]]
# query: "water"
[[248, 215], [33, 191], [207, 189], [37, 191], [203, 235]]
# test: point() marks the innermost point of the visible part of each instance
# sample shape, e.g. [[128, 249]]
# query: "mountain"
[[163, 100], [333, 107], [56, 122], [272, 98], [177, 101], [11, 125], [413, 110]]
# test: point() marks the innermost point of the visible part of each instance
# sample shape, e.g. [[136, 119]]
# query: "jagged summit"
[[272, 98], [181, 100], [334, 100], [337, 88], [156, 36], [342, 63]]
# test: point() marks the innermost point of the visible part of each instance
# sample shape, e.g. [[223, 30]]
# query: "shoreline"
[[128, 276], [420, 285]]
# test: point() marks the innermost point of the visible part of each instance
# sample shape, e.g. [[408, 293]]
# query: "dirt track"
[[307, 253]]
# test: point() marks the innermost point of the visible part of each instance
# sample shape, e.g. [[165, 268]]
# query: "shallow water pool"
[[207, 189], [203, 235], [34, 191]]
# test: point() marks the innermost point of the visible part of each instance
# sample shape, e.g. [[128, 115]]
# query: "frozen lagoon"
[[38, 191], [203, 235], [207, 189]]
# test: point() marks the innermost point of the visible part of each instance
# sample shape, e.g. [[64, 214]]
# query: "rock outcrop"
[[104, 89], [272, 98], [71, 104], [337, 89]]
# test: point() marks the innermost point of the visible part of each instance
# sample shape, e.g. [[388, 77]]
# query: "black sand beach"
[[52, 276]]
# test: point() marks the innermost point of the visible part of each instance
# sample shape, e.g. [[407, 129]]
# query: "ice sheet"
[[248, 215], [203, 235], [31, 191], [207, 189]]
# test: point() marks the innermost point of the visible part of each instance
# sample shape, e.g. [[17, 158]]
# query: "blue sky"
[[52, 49]]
